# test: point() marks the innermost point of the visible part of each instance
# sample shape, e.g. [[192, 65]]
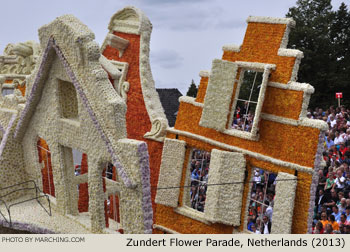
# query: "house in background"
[[169, 97]]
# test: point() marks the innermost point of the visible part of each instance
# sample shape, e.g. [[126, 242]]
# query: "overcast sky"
[[187, 34]]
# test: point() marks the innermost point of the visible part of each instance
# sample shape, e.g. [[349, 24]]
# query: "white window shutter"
[[284, 203], [170, 172], [218, 96], [224, 202]]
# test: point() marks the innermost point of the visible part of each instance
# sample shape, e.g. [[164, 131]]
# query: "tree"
[[322, 34], [192, 90], [340, 33]]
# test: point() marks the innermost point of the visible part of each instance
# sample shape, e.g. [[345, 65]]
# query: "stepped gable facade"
[[280, 140]]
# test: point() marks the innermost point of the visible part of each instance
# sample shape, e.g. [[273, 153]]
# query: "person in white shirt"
[[269, 211], [254, 230], [332, 121], [266, 225], [338, 139], [340, 180]]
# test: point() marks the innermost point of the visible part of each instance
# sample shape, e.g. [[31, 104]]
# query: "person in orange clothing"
[[324, 219], [331, 220]]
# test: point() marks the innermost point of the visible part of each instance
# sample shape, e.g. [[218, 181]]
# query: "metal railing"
[[38, 194]]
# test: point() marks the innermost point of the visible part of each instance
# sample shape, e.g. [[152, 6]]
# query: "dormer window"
[[247, 101], [234, 97]]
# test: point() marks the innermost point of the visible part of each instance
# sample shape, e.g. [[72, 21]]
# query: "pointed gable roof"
[[73, 43]]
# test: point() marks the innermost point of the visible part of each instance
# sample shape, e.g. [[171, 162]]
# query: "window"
[[7, 91], [198, 179], [77, 158], [247, 100], [68, 100], [44, 155], [250, 83], [113, 202], [80, 162], [261, 199]]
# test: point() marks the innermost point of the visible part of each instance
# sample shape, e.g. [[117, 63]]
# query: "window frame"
[[185, 208], [111, 190], [245, 223], [61, 99], [243, 67], [186, 201]]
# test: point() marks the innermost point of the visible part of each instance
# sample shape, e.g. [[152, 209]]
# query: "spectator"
[[324, 219], [254, 230], [339, 181], [342, 205], [333, 199], [347, 229], [343, 220], [338, 139], [330, 183], [333, 122], [328, 229], [336, 213], [199, 178], [320, 200], [268, 209], [347, 202], [321, 180], [266, 225], [331, 221], [347, 213], [329, 142], [318, 228], [250, 223]]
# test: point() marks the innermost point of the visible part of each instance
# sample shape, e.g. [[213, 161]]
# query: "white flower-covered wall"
[[224, 202], [95, 125], [170, 172], [282, 217]]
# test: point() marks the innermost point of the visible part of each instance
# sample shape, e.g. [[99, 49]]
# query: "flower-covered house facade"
[[247, 124], [75, 99]]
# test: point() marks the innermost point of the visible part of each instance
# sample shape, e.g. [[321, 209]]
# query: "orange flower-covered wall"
[[83, 201], [46, 171], [137, 119], [286, 142]]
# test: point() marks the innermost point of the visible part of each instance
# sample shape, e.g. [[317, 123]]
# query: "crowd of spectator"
[[332, 204], [244, 116], [261, 202], [199, 178]]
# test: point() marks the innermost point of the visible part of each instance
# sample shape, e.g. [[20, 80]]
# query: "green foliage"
[[324, 37], [250, 86], [192, 90]]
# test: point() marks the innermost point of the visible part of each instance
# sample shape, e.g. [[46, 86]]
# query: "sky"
[[187, 34]]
